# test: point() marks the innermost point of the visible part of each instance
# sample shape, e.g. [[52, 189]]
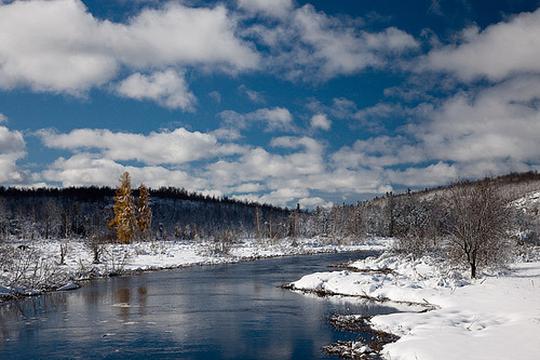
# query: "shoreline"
[[476, 316], [377, 245]]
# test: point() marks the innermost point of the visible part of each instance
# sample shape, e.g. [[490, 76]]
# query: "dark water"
[[212, 312]]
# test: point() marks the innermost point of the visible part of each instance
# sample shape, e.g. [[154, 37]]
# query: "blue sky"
[[277, 101]]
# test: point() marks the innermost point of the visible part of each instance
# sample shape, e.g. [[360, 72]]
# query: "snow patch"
[[496, 317]]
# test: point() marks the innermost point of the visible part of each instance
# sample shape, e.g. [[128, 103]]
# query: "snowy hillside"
[[530, 203]]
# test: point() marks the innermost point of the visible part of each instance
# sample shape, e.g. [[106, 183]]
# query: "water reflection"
[[228, 311]]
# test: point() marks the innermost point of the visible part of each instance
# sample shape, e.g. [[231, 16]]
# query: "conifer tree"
[[124, 222], [144, 212]]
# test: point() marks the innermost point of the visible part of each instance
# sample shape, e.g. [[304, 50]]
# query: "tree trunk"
[[473, 270]]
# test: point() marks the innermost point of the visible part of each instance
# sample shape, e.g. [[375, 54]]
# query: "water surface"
[[231, 311]]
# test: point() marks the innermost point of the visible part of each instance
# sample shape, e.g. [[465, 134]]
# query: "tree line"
[[470, 223], [86, 212]]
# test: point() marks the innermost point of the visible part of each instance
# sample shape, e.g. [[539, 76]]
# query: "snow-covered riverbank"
[[38, 269], [495, 317]]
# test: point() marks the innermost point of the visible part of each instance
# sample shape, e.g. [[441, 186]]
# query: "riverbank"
[[37, 269], [494, 317]]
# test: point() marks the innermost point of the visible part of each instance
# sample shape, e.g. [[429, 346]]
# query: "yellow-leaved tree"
[[124, 222], [144, 212]]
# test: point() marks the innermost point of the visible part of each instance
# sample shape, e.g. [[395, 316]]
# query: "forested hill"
[[512, 186], [83, 211]]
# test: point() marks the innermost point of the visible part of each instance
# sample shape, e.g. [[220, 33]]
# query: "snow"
[[496, 317], [529, 202], [69, 286], [155, 255], [404, 275]]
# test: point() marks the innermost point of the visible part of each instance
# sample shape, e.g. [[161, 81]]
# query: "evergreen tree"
[[144, 212], [124, 222]]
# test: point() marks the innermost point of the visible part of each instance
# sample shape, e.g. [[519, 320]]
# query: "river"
[[234, 311]]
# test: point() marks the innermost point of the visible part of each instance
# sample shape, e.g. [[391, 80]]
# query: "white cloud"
[[287, 178], [499, 51], [374, 118], [251, 94], [471, 134], [313, 202], [379, 152], [314, 46], [275, 119], [90, 169], [175, 147], [281, 177], [168, 88], [3, 118], [431, 175], [59, 46], [500, 122], [283, 196], [215, 95], [257, 173], [226, 134], [12, 148], [320, 121], [273, 8]]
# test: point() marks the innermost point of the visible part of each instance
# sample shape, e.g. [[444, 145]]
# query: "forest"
[[81, 212]]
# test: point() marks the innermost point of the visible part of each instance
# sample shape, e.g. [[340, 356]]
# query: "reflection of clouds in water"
[[16, 316], [227, 311]]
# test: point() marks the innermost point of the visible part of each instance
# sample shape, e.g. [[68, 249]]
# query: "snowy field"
[[494, 317], [37, 268]]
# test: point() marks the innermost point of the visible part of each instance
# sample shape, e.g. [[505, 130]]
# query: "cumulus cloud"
[[215, 95], [431, 175], [320, 121], [258, 164], [274, 8], [225, 133], [380, 151], [3, 118], [499, 122], [174, 147], [480, 53], [12, 148], [287, 178], [471, 134], [313, 202], [251, 94], [274, 119], [59, 46], [314, 46], [86, 169], [168, 88], [298, 167]]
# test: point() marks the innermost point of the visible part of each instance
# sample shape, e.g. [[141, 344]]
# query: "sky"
[[276, 101]]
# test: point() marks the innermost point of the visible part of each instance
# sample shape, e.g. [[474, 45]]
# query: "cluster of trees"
[[469, 223], [85, 213], [131, 220]]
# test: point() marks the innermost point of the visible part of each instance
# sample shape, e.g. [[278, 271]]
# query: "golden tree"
[[144, 212], [124, 222]]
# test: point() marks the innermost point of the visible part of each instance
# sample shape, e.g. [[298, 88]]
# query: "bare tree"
[[419, 224], [223, 242], [478, 224], [64, 248]]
